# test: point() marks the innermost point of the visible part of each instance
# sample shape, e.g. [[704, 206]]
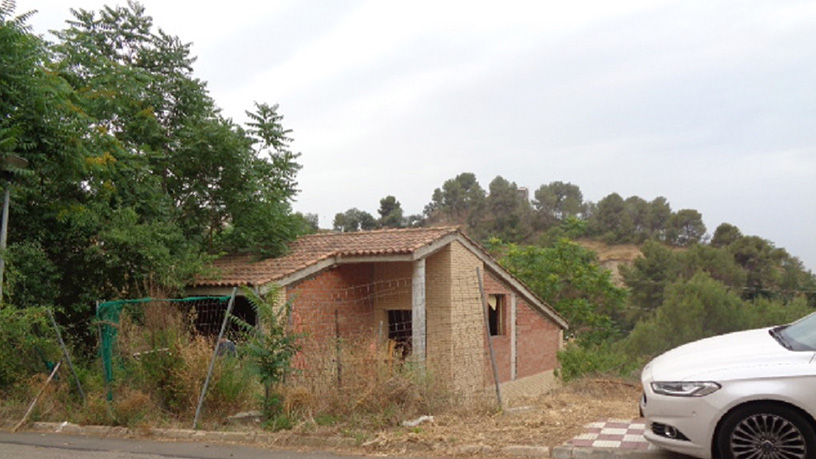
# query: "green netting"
[[109, 315]]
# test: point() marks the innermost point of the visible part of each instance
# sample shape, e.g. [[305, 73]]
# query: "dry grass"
[[375, 388], [549, 420], [626, 253], [376, 393]]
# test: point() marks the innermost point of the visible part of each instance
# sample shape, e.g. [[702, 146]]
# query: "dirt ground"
[[550, 420]]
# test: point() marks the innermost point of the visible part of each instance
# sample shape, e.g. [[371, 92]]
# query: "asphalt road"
[[30, 445]]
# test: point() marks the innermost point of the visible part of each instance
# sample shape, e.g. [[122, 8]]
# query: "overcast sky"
[[711, 104]]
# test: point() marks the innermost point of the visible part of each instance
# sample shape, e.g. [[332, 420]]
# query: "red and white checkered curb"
[[613, 433]]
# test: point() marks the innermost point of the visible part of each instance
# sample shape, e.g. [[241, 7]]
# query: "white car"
[[744, 395]]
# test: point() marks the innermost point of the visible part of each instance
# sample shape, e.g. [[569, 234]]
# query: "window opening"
[[400, 331], [495, 314]]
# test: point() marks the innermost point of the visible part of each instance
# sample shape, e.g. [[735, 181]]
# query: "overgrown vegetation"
[[136, 180], [268, 348], [162, 362]]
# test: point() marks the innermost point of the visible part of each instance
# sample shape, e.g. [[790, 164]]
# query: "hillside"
[[612, 257]]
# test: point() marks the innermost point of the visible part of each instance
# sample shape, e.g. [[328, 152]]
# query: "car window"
[[801, 335]]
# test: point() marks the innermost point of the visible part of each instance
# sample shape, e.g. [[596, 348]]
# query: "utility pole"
[[8, 165]]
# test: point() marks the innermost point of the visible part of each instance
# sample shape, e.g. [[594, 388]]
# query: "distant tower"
[[524, 193]]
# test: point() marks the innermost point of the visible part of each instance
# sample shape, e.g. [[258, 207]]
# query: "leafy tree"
[[760, 260], [354, 219], [659, 214], [763, 312], [508, 213], [693, 309], [638, 213], [717, 263], [390, 213], [725, 235], [134, 176], [610, 220], [457, 200], [415, 221], [686, 227], [700, 307], [648, 277], [309, 222], [567, 276], [557, 201], [259, 208]]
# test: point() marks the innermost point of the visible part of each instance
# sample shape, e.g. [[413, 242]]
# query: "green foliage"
[[717, 263], [568, 277], [390, 213], [632, 220], [610, 221], [28, 345], [159, 373], [700, 307], [648, 277], [595, 360], [354, 220], [693, 309], [457, 202], [761, 262], [507, 213], [134, 179], [685, 227], [268, 345], [31, 277], [725, 235], [557, 202]]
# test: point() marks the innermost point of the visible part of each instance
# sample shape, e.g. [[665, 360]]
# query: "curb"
[[578, 452]]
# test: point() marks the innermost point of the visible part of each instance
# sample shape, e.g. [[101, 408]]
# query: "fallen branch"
[[37, 398]]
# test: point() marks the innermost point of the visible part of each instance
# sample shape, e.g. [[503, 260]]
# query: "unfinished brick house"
[[417, 289]]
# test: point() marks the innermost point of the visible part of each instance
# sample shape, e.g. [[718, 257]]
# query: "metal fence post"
[[214, 357], [65, 353], [489, 342]]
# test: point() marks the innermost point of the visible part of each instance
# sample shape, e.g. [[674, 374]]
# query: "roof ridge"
[[449, 229]]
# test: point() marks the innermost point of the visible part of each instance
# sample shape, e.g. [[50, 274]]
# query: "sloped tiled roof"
[[306, 251]]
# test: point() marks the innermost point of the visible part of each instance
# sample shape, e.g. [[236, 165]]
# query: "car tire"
[[766, 431]]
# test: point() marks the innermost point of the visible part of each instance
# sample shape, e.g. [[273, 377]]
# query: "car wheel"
[[766, 431]]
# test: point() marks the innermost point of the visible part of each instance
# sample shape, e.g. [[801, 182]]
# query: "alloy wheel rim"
[[767, 436]]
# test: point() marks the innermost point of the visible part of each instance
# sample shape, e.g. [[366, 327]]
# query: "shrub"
[[268, 347], [28, 345], [578, 361]]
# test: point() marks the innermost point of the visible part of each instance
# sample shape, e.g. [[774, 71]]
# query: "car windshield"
[[800, 335]]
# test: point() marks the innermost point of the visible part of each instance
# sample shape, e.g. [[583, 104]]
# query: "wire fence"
[[355, 333], [131, 329]]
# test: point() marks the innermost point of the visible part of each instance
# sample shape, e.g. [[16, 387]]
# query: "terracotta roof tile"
[[233, 270]]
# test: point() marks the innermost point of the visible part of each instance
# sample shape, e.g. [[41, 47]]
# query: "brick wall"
[[538, 341], [343, 289], [392, 291], [537, 337], [457, 352]]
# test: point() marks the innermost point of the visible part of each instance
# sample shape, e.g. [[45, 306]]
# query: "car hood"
[[735, 355]]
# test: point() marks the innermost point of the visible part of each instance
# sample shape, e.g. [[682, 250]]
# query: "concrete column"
[[418, 336], [513, 303]]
